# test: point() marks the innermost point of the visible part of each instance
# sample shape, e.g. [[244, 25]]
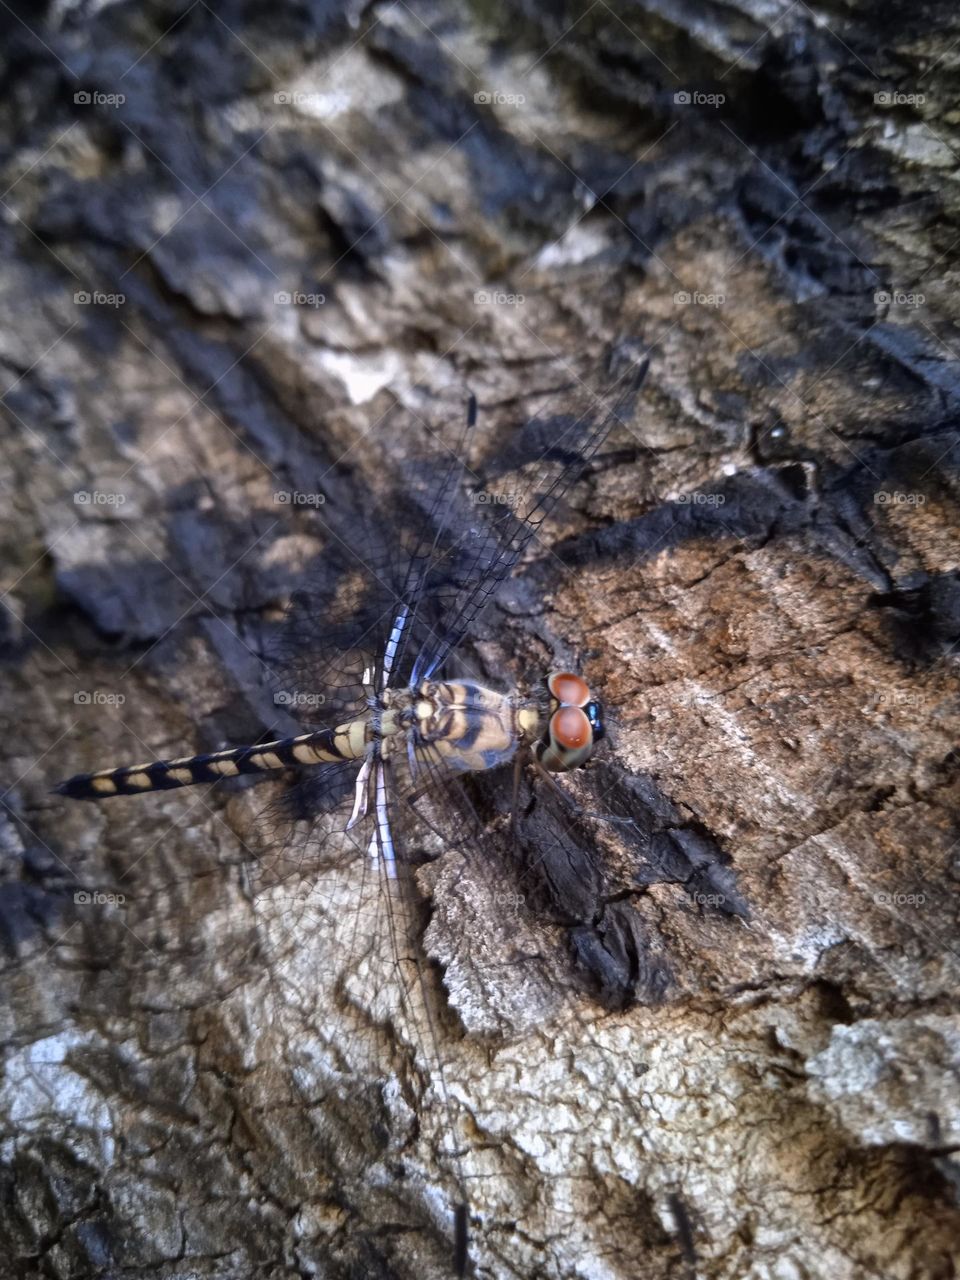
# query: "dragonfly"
[[376, 640]]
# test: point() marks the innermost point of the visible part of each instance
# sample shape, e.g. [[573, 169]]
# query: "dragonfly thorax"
[[466, 725]]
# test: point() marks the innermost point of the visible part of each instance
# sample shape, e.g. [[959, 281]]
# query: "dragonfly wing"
[[495, 534], [391, 603], [325, 654], [369, 601], [417, 1002], [342, 1020]]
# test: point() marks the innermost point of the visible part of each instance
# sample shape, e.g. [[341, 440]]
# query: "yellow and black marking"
[[472, 727], [324, 746]]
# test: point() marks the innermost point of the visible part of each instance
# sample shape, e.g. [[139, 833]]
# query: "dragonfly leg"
[[577, 810], [519, 760], [361, 791], [557, 790], [411, 799]]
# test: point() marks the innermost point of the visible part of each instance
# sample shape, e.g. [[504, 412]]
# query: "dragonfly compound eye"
[[568, 741], [575, 723], [568, 688], [570, 728]]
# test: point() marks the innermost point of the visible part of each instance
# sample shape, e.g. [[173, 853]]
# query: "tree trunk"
[[255, 258]]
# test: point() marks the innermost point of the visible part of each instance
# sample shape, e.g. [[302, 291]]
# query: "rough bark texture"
[[759, 574]]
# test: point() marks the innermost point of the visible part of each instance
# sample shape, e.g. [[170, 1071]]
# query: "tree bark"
[[261, 252]]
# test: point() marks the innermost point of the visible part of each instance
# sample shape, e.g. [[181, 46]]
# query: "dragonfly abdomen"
[[323, 746]]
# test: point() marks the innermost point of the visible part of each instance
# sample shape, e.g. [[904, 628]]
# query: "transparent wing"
[[391, 602], [340, 918], [494, 535], [373, 595]]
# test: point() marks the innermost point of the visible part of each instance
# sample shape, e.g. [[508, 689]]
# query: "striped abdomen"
[[345, 742]]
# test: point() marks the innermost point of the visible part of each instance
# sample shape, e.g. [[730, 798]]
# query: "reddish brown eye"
[[569, 688], [570, 728]]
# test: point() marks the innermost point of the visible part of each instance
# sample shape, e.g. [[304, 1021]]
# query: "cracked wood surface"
[[759, 575]]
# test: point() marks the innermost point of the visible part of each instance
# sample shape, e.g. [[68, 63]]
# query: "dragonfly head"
[[574, 725]]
